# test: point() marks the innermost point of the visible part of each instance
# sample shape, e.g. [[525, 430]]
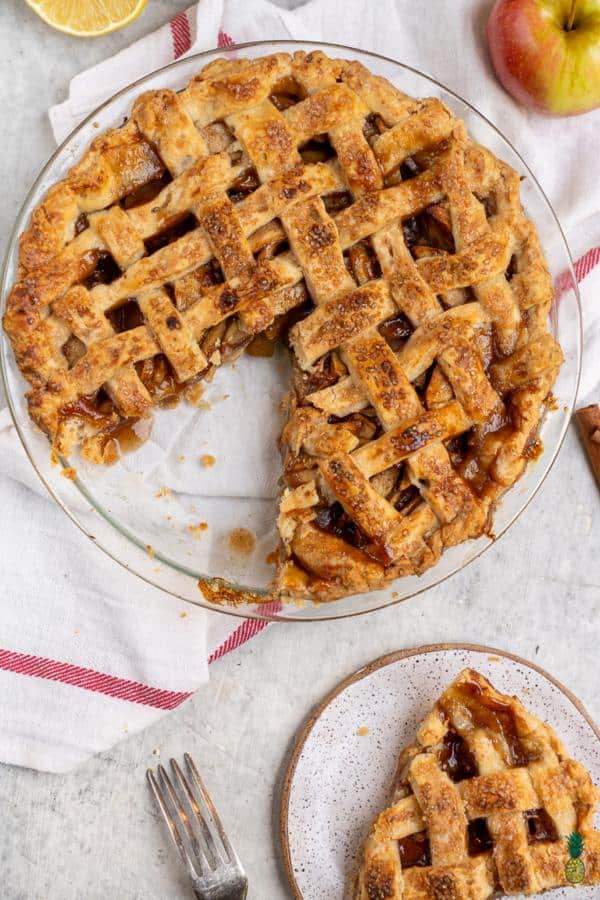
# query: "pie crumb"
[[207, 460], [150, 551], [494, 659], [193, 394], [70, 473], [362, 731], [533, 449], [163, 491], [196, 530], [183, 615], [182, 457], [272, 558], [242, 541]]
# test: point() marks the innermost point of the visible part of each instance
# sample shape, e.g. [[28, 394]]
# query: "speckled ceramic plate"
[[341, 769]]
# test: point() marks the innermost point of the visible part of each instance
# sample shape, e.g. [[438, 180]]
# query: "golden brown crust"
[[420, 368], [489, 797]]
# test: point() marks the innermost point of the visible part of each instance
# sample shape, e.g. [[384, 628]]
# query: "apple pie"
[[487, 802], [301, 199]]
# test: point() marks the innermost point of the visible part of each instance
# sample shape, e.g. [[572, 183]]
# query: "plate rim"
[[366, 670]]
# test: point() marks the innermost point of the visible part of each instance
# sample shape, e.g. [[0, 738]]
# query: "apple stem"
[[571, 18]]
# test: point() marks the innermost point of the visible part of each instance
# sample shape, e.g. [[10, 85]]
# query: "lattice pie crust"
[[301, 198], [484, 805]]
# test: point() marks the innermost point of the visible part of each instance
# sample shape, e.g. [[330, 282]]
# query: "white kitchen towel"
[[81, 667]]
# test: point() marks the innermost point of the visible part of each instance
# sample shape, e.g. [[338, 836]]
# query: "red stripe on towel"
[[225, 40], [587, 262], [180, 34], [90, 680], [248, 629], [582, 266]]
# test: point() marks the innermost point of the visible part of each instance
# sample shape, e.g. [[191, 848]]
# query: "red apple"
[[546, 53]]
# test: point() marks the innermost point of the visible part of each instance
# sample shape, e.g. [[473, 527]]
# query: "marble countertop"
[[94, 834]]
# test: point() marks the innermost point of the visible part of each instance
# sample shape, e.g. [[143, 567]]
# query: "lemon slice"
[[87, 18]]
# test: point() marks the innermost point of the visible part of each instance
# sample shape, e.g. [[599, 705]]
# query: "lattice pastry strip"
[[484, 802], [302, 188]]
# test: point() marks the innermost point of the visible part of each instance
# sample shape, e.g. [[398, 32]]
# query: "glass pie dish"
[[196, 501]]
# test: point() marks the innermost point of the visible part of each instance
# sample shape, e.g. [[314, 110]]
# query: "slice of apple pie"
[[487, 802]]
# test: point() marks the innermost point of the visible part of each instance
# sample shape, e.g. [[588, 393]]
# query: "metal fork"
[[198, 834]]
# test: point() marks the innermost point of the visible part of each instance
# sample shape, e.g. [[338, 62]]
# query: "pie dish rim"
[[54, 486]]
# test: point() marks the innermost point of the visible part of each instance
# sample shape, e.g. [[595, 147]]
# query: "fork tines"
[[196, 829]]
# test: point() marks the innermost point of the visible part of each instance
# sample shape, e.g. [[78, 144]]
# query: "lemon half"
[[87, 18]]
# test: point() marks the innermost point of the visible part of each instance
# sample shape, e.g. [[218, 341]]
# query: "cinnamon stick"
[[588, 420]]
